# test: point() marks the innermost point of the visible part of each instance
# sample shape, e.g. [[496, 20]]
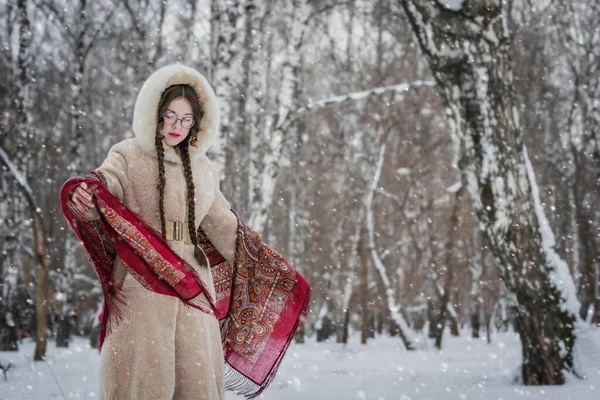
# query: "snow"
[[455, 5], [355, 96], [322, 314], [389, 292], [466, 369], [454, 188], [17, 175], [560, 274]]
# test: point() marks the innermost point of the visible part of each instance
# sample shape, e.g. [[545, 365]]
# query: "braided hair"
[[172, 93]]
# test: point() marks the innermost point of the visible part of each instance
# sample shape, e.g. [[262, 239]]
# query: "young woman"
[[161, 215]]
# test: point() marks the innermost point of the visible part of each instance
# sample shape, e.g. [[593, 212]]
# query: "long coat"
[[162, 349]]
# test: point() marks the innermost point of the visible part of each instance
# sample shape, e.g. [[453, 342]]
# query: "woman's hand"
[[81, 200]]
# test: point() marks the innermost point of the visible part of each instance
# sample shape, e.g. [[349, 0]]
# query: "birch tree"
[[404, 330], [275, 135], [41, 256], [227, 38], [466, 45]]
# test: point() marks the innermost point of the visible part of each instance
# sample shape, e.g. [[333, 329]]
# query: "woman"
[[165, 341]]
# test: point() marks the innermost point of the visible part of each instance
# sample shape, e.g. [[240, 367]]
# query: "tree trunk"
[[43, 264], [8, 332], [475, 318], [453, 322], [488, 328], [63, 330], [395, 315], [467, 51], [226, 43], [587, 252], [276, 137], [476, 268], [364, 291], [77, 147], [24, 106], [350, 276], [8, 296], [433, 318], [448, 268], [40, 255], [342, 336]]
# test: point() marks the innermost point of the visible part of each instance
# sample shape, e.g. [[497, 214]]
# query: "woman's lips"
[[174, 135]]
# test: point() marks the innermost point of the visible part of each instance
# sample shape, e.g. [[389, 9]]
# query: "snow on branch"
[[389, 250], [454, 5], [354, 96], [559, 274], [401, 203], [389, 291], [454, 188], [18, 176]]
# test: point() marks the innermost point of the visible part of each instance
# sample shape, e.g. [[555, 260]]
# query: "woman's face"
[[175, 133]]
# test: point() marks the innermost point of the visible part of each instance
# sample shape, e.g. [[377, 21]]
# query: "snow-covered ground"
[[465, 369]]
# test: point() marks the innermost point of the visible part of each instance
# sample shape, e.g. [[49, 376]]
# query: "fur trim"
[[146, 105]]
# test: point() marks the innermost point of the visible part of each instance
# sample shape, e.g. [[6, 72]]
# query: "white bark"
[[226, 45], [472, 66], [390, 296], [274, 136], [349, 272]]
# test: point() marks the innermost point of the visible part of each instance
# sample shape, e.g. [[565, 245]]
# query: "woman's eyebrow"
[[183, 114]]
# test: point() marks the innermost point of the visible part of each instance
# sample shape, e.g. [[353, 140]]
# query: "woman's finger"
[[89, 188], [84, 209], [75, 198], [84, 193], [76, 211], [86, 198], [87, 204], [82, 202]]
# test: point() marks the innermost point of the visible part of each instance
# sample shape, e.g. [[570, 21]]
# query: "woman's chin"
[[170, 142]]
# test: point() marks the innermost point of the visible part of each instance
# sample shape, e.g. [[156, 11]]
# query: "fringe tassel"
[[238, 383], [112, 312]]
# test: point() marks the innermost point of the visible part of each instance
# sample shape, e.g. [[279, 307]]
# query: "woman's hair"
[[172, 93]]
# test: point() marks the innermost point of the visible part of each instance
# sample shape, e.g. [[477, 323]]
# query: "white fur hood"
[[146, 105]]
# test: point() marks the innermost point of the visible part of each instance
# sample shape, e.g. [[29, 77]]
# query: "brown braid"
[[160, 154], [171, 93], [189, 179]]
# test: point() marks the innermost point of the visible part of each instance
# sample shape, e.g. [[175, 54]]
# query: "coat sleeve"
[[220, 224], [114, 170]]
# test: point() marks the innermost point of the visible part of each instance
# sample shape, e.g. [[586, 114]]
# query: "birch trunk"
[[226, 43], [40, 255], [467, 51], [395, 314], [448, 270], [276, 133]]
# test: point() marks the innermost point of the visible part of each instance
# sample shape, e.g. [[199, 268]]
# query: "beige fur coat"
[[163, 349]]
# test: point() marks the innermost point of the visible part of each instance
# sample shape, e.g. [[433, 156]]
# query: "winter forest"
[[431, 167]]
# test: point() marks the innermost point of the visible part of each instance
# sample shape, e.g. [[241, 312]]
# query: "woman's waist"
[[175, 231]]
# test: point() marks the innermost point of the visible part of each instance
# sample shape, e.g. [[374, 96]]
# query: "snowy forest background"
[[425, 164]]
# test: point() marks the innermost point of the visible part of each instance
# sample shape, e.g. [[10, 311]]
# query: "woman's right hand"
[[81, 199]]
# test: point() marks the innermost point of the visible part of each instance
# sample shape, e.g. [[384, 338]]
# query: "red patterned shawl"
[[261, 301]]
